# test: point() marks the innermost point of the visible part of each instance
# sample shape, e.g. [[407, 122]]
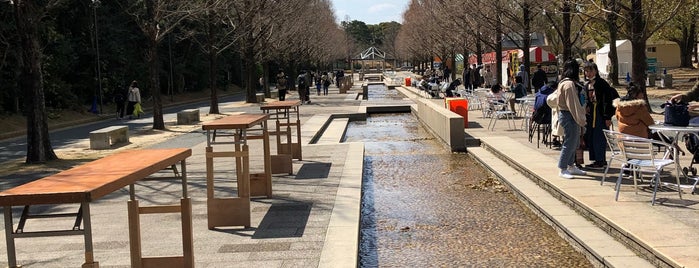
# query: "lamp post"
[[97, 52]]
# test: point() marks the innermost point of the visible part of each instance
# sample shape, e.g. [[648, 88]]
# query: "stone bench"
[[260, 97], [106, 137], [189, 116]]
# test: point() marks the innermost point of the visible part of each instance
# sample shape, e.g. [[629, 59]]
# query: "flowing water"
[[424, 206]]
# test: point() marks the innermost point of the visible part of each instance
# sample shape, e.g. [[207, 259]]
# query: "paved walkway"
[[312, 219], [665, 233]]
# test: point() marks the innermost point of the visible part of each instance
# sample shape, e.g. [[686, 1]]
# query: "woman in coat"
[[632, 113], [571, 116], [599, 112]]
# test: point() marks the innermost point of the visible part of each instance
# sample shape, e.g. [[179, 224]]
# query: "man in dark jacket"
[[539, 78]]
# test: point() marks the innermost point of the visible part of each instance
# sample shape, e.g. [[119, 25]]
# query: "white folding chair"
[[641, 157]]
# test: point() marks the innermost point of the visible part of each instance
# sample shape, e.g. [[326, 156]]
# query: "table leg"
[[89, 252], [10, 240]]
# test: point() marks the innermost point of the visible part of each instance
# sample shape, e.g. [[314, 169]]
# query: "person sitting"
[[632, 113], [540, 105], [495, 98], [452, 87], [519, 90]]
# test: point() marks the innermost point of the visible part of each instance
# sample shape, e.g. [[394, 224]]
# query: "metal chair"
[[641, 157], [612, 138], [502, 110]]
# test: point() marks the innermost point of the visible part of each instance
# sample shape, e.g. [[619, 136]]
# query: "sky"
[[370, 11]]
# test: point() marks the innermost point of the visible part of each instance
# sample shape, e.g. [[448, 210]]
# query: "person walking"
[[281, 85], [326, 82], [303, 87], [120, 102], [134, 97], [319, 83], [571, 116], [599, 112]]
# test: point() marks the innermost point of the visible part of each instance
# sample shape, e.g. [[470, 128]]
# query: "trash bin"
[[407, 81], [460, 107], [666, 82]]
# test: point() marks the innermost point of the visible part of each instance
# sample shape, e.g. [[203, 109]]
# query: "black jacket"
[[605, 95]]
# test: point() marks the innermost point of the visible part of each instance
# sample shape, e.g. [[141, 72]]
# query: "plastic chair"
[[641, 157]]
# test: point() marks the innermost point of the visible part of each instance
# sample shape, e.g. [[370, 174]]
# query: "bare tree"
[[27, 14], [157, 18]]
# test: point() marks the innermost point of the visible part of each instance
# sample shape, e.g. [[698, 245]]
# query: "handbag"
[[137, 110], [676, 114]]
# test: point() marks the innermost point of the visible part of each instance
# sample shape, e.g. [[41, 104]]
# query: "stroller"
[[691, 141]]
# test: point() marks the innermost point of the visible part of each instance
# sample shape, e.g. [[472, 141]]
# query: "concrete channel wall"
[[444, 124]]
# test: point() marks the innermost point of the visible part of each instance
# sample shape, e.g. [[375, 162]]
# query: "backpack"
[[302, 82], [539, 116]]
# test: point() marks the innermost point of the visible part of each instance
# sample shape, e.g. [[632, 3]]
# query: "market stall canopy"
[[536, 55]]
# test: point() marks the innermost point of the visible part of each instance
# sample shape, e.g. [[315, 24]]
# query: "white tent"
[[623, 51]]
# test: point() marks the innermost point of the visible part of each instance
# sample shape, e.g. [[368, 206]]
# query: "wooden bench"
[[89, 182], [189, 116], [106, 137]]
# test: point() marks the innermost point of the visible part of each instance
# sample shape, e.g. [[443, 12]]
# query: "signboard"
[[652, 65]]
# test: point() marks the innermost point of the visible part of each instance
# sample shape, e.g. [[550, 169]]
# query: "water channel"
[[424, 206]]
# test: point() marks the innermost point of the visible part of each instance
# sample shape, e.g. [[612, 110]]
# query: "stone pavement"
[[312, 219]]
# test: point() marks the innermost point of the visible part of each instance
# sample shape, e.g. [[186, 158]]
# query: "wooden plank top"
[[88, 182], [280, 105], [241, 121]]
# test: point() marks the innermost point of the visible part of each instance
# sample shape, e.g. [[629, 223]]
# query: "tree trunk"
[[638, 47], [31, 82], [152, 54], [613, 76], [565, 40], [158, 122], [250, 74], [686, 42], [213, 67], [526, 44]]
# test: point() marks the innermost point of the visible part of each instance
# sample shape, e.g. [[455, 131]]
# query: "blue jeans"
[[571, 140]]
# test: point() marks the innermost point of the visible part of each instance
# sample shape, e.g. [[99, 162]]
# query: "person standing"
[[539, 78], [599, 112], [466, 75], [447, 74], [304, 87], [134, 96], [571, 116], [281, 85], [525, 76]]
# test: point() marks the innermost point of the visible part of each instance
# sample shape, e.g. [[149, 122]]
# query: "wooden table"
[[236, 211], [281, 112], [86, 183]]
